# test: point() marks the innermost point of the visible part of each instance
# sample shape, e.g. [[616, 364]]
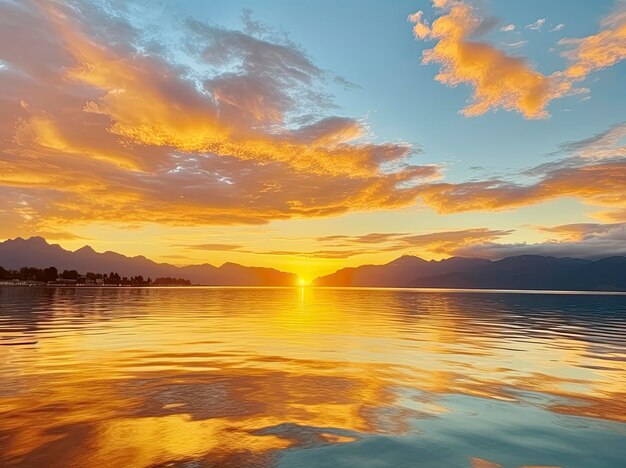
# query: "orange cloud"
[[612, 216], [438, 243], [94, 129], [602, 184], [594, 173], [582, 240], [147, 102], [498, 80], [211, 246], [598, 51]]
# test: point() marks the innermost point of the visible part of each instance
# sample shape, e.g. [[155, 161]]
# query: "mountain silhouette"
[[519, 272], [36, 252]]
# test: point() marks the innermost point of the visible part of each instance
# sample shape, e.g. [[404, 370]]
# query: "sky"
[[314, 135]]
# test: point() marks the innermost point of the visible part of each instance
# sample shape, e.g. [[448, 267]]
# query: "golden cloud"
[[439, 243], [601, 184], [148, 103], [501, 81], [498, 80], [598, 51], [93, 128]]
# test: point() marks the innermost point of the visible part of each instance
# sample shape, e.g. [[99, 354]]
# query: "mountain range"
[[519, 272], [36, 252]]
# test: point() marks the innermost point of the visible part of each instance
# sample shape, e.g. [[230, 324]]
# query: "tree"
[[50, 274], [70, 274]]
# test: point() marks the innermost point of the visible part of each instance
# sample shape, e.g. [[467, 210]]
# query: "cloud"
[[537, 25], [598, 51], [601, 184], [448, 241], [594, 173], [218, 247], [323, 254], [515, 45], [583, 231], [583, 240], [59, 235], [100, 123], [438, 243], [373, 238], [610, 143], [498, 80], [501, 81], [507, 28], [614, 215], [590, 241], [558, 27]]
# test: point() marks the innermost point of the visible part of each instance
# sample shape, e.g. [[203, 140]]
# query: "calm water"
[[310, 378]]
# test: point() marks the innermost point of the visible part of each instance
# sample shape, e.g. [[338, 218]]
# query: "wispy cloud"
[[598, 51], [213, 246], [558, 27], [583, 240], [586, 240], [594, 173], [597, 184], [516, 44], [537, 25], [507, 28], [59, 235], [439, 243], [610, 143], [582, 231]]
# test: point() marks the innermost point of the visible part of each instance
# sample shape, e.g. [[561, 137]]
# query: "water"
[[310, 377]]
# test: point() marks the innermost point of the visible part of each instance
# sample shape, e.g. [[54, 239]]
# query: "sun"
[[302, 282]]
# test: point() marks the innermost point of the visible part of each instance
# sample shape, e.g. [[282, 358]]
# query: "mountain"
[[36, 252], [398, 272], [519, 272]]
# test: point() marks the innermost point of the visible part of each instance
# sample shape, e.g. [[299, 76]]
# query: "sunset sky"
[[313, 135]]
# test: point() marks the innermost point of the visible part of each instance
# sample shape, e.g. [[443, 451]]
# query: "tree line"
[[52, 275]]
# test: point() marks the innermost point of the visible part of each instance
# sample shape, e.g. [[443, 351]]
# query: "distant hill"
[[520, 272], [36, 252]]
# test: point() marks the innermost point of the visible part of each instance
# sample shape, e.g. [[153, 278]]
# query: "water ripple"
[[310, 377]]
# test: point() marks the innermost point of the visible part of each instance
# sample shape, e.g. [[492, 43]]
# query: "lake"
[[311, 377]]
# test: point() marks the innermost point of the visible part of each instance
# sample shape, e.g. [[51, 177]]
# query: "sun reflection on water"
[[234, 376]]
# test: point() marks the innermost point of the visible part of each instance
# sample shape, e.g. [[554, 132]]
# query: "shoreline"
[[92, 286], [371, 288]]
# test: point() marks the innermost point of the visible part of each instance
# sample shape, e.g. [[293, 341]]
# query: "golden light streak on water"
[[310, 377]]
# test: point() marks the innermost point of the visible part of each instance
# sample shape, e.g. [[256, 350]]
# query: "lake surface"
[[246, 377]]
